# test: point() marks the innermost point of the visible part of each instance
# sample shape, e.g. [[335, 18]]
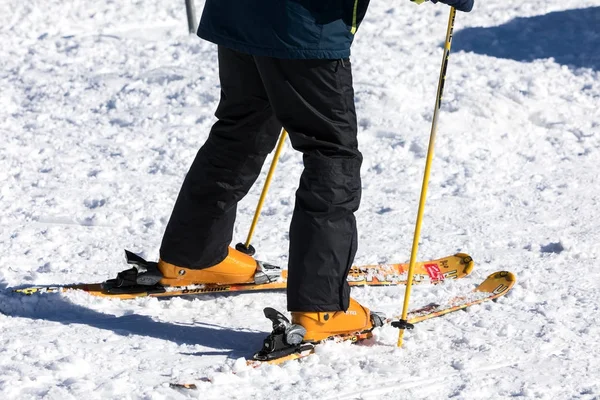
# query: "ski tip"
[[498, 283], [503, 275], [506, 275]]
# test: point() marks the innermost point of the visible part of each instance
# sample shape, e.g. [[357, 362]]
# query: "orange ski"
[[434, 271], [496, 285]]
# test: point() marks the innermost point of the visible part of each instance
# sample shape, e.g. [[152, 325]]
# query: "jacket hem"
[[286, 53]]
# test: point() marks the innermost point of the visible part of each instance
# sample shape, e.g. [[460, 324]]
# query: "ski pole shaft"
[[263, 195], [191, 16], [438, 104]]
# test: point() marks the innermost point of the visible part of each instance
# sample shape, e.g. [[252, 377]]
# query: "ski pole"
[[246, 247], [191, 16], [403, 323]]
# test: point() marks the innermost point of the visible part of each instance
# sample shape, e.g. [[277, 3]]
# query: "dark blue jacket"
[[321, 29], [289, 28], [460, 5]]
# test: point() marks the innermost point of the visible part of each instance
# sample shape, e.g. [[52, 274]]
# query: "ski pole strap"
[[402, 324]]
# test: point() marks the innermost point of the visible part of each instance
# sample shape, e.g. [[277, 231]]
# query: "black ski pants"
[[314, 101]]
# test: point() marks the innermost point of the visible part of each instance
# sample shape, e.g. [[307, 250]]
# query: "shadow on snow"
[[571, 37], [56, 308]]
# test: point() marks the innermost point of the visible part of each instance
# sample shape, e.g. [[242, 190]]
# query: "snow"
[[103, 106]]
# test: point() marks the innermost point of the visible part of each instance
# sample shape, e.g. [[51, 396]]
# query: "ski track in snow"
[[105, 104]]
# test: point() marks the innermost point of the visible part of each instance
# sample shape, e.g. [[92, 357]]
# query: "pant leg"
[[314, 100], [201, 224]]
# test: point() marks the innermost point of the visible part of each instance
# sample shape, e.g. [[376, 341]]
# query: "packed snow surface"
[[103, 106]]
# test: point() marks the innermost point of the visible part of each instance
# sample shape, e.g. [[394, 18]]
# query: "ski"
[[494, 286], [426, 272]]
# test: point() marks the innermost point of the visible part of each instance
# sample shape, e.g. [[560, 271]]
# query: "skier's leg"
[[201, 224], [314, 100]]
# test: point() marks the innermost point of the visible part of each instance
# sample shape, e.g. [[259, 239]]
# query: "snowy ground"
[[104, 104]]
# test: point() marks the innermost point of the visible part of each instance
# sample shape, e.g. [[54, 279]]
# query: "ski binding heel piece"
[[143, 277], [148, 273], [285, 339]]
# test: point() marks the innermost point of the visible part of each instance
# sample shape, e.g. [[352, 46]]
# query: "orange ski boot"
[[237, 267], [322, 325]]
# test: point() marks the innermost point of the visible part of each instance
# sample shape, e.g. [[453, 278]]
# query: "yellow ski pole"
[[403, 323], [246, 247]]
